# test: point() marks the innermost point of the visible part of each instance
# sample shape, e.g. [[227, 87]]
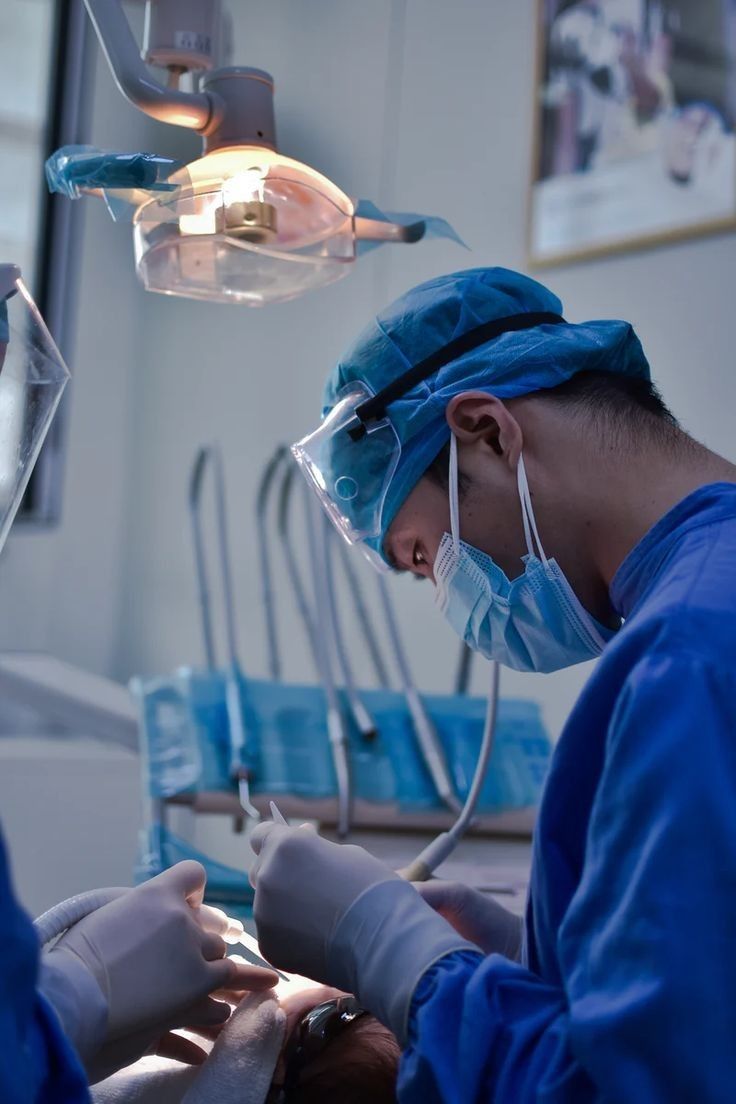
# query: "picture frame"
[[634, 126]]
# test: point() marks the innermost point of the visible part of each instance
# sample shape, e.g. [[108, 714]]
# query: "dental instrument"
[[335, 723], [464, 669], [263, 497], [362, 615], [284, 519], [436, 852], [233, 689], [277, 815], [430, 746], [239, 769], [266, 488], [238, 936], [195, 517], [427, 738], [315, 628], [327, 624], [363, 720]]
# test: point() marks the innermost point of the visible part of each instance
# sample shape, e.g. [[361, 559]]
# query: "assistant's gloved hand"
[[143, 964], [475, 916], [334, 913]]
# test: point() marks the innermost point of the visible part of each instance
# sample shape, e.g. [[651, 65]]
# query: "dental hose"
[[57, 920], [263, 500], [336, 732], [362, 718], [315, 636], [292, 568], [362, 615], [427, 737], [435, 853]]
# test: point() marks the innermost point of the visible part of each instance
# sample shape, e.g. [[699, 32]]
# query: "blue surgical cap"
[[432, 315]]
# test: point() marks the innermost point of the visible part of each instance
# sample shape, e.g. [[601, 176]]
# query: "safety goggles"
[[314, 1032], [33, 376], [350, 484], [351, 458]]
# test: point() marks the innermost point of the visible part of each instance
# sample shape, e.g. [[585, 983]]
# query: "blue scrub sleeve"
[[645, 1009], [37, 1064]]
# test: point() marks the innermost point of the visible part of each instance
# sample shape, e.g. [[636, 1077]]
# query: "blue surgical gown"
[[627, 988], [37, 1064]]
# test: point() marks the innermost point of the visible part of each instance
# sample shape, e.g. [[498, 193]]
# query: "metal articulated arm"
[[196, 110]]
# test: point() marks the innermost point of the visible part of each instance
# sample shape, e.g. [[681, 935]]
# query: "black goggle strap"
[[374, 409]]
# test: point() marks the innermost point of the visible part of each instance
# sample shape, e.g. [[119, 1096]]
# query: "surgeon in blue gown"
[[36, 1061], [530, 470]]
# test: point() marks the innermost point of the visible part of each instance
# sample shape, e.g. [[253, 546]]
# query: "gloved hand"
[[336, 914], [475, 916], [155, 954]]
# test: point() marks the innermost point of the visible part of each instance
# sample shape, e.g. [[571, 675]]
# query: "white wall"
[[417, 104]]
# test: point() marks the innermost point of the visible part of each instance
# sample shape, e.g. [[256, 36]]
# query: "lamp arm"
[[196, 110]]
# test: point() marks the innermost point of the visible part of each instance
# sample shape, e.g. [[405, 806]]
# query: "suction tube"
[[427, 861], [427, 738]]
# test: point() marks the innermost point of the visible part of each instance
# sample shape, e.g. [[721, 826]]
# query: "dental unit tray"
[[289, 753], [185, 749], [185, 758]]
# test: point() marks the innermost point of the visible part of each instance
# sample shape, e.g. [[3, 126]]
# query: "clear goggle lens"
[[350, 477]]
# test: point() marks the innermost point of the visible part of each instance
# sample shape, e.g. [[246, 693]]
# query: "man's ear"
[[475, 416]]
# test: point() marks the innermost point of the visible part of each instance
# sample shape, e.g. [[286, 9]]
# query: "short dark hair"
[[360, 1066], [629, 403], [629, 408]]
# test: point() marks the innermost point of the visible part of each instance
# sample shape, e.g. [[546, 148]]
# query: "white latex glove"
[[475, 916], [155, 955], [336, 914]]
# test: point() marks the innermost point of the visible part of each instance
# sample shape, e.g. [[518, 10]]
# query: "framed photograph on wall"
[[635, 138]]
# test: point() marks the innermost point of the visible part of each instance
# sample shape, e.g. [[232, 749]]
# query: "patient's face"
[[360, 1065]]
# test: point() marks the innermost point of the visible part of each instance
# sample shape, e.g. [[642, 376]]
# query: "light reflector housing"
[[244, 224]]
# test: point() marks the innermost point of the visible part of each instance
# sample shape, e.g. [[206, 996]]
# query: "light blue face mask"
[[533, 623]]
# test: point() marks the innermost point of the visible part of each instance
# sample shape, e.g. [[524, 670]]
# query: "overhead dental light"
[[243, 223]]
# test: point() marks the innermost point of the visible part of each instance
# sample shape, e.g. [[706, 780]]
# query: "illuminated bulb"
[[205, 221], [245, 186], [238, 209], [244, 214]]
